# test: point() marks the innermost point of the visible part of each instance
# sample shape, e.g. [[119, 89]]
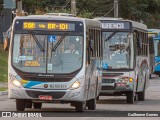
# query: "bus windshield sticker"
[[51, 38], [105, 66], [16, 60], [49, 66], [77, 39], [24, 58], [31, 63]]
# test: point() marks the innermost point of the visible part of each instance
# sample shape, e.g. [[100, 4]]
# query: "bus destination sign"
[[115, 25], [48, 26]]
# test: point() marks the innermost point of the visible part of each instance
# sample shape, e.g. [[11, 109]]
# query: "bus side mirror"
[[6, 43]]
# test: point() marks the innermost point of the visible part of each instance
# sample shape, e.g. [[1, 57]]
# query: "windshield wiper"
[[110, 36], [36, 40], [59, 42]]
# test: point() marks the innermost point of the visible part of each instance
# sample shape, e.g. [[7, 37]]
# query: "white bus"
[[125, 58], [55, 59]]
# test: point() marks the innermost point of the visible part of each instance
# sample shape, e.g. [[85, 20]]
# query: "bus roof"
[[107, 18], [154, 31], [61, 14], [134, 23]]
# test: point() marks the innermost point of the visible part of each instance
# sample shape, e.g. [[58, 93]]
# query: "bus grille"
[[108, 80], [48, 79], [108, 88], [36, 94], [111, 74]]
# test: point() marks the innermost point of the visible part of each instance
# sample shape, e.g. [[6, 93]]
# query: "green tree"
[[42, 6], [95, 7], [1, 5], [138, 10], [145, 10]]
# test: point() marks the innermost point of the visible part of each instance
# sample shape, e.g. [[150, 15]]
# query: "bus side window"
[[90, 46], [158, 48], [151, 45], [139, 43], [87, 48], [135, 44], [136, 50]]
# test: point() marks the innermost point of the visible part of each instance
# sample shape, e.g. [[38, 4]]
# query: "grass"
[[3, 64], [3, 88]]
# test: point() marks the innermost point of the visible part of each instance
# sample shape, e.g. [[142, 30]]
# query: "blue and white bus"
[[154, 35], [125, 58], [55, 59]]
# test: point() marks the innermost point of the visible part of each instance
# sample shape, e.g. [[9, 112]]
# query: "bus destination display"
[[48, 26], [115, 25]]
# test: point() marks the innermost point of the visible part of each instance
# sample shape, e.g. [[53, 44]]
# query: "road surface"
[[107, 106]]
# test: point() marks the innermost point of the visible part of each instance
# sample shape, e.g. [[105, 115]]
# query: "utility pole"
[[73, 7], [116, 8], [19, 5]]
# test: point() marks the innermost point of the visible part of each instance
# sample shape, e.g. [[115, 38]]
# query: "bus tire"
[[130, 97], [20, 104], [28, 104], [37, 105], [150, 76], [80, 106], [97, 97], [91, 104], [141, 95]]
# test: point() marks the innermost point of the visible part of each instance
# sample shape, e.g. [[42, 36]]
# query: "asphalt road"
[[106, 107]]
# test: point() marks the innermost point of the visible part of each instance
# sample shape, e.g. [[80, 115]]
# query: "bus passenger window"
[[158, 49]]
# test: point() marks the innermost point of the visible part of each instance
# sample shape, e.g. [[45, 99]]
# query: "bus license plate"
[[42, 97]]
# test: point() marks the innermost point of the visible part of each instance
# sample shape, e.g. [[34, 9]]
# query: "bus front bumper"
[[115, 89], [57, 95]]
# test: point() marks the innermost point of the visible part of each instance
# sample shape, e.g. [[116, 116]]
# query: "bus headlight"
[[75, 85], [124, 80], [14, 80], [16, 83]]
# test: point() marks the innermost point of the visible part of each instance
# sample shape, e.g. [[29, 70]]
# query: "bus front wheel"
[[91, 104], [130, 97], [150, 76], [141, 95], [80, 106], [97, 97], [20, 104]]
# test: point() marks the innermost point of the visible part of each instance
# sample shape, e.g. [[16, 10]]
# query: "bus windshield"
[[157, 47], [116, 50], [33, 52]]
